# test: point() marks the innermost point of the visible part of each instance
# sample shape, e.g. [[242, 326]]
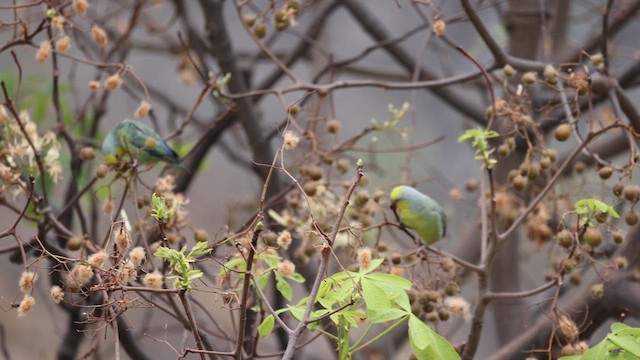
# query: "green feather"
[[419, 212]]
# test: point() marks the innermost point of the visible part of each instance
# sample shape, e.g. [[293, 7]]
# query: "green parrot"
[[138, 140], [419, 212]]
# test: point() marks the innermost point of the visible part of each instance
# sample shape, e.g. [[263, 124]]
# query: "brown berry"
[[617, 237], [75, 243], [443, 314], [310, 188], [333, 126], [617, 189], [314, 172], [605, 172], [562, 132], [597, 291], [593, 237], [631, 217], [249, 19], [102, 171], [471, 185], [631, 192], [529, 78], [520, 182], [260, 30], [565, 238], [201, 235], [87, 153]]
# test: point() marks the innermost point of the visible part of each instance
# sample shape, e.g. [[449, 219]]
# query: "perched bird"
[[138, 140], [419, 212]]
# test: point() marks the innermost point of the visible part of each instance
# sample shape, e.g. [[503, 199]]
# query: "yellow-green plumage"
[[138, 140], [419, 212]]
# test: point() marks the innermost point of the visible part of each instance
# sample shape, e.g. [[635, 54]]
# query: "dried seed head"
[[284, 239], [27, 279], [56, 294], [291, 140], [98, 259], [153, 280], [80, 7], [286, 268], [63, 44], [439, 27], [26, 305], [113, 82], [142, 110], [94, 85], [122, 239], [43, 51], [364, 257], [568, 327], [99, 36], [137, 255]]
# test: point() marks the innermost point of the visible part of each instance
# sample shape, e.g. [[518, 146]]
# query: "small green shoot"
[[160, 211], [396, 116], [480, 141], [180, 263], [590, 207]]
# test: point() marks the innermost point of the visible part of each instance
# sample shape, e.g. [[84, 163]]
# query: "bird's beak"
[[393, 206]]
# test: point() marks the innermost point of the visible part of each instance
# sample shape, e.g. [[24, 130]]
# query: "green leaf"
[[375, 263], [626, 342], [427, 344], [284, 288], [265, 328], [297, 312], [297, 278], [377, 316], [263, 279], [390, 279], [375, 297]]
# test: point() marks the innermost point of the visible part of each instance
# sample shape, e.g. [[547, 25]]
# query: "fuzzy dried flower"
[[43, 51], [56, 294], [364, 257], [63, 44], [127, 272], [80, 7], [58, 22], [113, 82], [284, 239], [291, 140], [97, 260], [27, 279], [153, 280], [122, 239], [99, 36], [142, 110], [94, 85], [26, 305], [137, 255], [286, 268]]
